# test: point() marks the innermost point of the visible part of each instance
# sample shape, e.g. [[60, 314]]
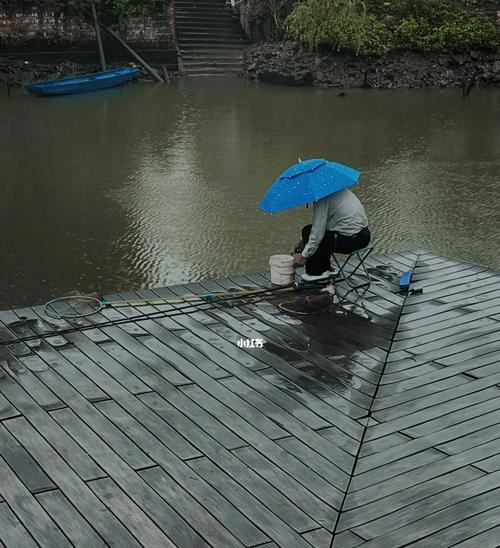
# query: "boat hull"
[[85, 83]]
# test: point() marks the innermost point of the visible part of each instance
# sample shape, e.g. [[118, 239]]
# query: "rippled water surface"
[[152, 185]]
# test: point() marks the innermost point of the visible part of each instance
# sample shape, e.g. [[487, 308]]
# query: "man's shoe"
[[319, 278]]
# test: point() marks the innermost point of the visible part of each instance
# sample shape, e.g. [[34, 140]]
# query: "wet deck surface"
[[375, 423]]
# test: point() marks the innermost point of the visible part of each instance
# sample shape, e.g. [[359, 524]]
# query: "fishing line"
[[206, 304]]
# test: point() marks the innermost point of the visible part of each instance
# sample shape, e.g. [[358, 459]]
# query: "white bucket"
[[281, 269]]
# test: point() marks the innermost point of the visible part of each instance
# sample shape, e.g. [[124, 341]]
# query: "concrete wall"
[[43, 35]]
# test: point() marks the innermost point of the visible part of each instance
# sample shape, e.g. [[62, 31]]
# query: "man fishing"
[[339, 225]]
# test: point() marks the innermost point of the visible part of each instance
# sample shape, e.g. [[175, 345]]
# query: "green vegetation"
[[375, 27]]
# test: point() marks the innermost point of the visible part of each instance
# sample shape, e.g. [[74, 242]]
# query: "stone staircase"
[[210, 38]]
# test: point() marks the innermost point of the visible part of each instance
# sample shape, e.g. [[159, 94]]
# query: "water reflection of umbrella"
[[307, 182]]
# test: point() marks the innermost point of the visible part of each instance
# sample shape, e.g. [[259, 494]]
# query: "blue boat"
[[83, 83]]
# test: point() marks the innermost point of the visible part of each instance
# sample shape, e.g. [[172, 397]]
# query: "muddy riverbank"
[[18, 72], [289, 63]]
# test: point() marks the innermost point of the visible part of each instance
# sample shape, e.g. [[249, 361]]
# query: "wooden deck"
[[374, 424]]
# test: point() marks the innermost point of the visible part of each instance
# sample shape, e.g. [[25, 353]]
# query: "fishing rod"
[[203, 301]]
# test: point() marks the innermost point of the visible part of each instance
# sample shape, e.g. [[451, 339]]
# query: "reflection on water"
[[150, 185]]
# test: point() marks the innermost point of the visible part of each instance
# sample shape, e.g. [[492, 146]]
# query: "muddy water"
[[152, 185]]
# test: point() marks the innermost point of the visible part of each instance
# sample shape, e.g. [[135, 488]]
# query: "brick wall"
[[41, 34]]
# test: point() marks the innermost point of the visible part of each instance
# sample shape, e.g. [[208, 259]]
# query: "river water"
[[151, 185]]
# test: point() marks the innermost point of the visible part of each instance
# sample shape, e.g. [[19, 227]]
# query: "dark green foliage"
[[442, 25], [376, 27], [341, 24]]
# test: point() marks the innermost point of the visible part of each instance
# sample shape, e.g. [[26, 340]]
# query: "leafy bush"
[[361, 34], [460, 31], [340, 24], [309, 22], [374, 27]]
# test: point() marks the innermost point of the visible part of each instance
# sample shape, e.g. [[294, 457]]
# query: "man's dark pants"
[[332, 242]]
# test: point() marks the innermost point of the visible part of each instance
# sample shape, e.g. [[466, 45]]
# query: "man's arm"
[[320, 219]]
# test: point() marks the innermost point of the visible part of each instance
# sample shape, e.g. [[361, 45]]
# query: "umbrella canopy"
[[307, 182]]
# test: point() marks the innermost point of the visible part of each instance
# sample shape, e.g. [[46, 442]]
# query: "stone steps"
[[210, 55], [209, 18], [214, 71], [203, 67], [211, 33], [210, 38], [212, 49], [204, 26]]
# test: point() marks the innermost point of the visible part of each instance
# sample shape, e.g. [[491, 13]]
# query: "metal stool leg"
[[361, 255]]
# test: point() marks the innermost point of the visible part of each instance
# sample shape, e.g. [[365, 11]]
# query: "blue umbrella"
[[307, 182]]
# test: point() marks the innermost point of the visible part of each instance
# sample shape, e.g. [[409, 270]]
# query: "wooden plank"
[[174, 350], [456, 318], [132, 454], [474, 437], [276, 529], [31, 514], [441, 335], [322, 465], [378, 489], [274, 452], [462, 529], [137, 366], [298, 389], [114, 368], [58, 360], [382, 473], [77, 492], [319, 538], [7, 410], [181, 534], [305, 500], [13, 534], [21, 462], [251, 379], [291, 414], [336, 395], [471, 422], [441, 403], [139, 523], [438, 381], [74, 526], [488, 539], [37, 390], [194, 489], [384, 533], [159, 480], [186, 416], [392, 504], [243, 424], [347, 539], [77, 459], [425, 419], [154, 361], [326, 383], [120, 393]]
